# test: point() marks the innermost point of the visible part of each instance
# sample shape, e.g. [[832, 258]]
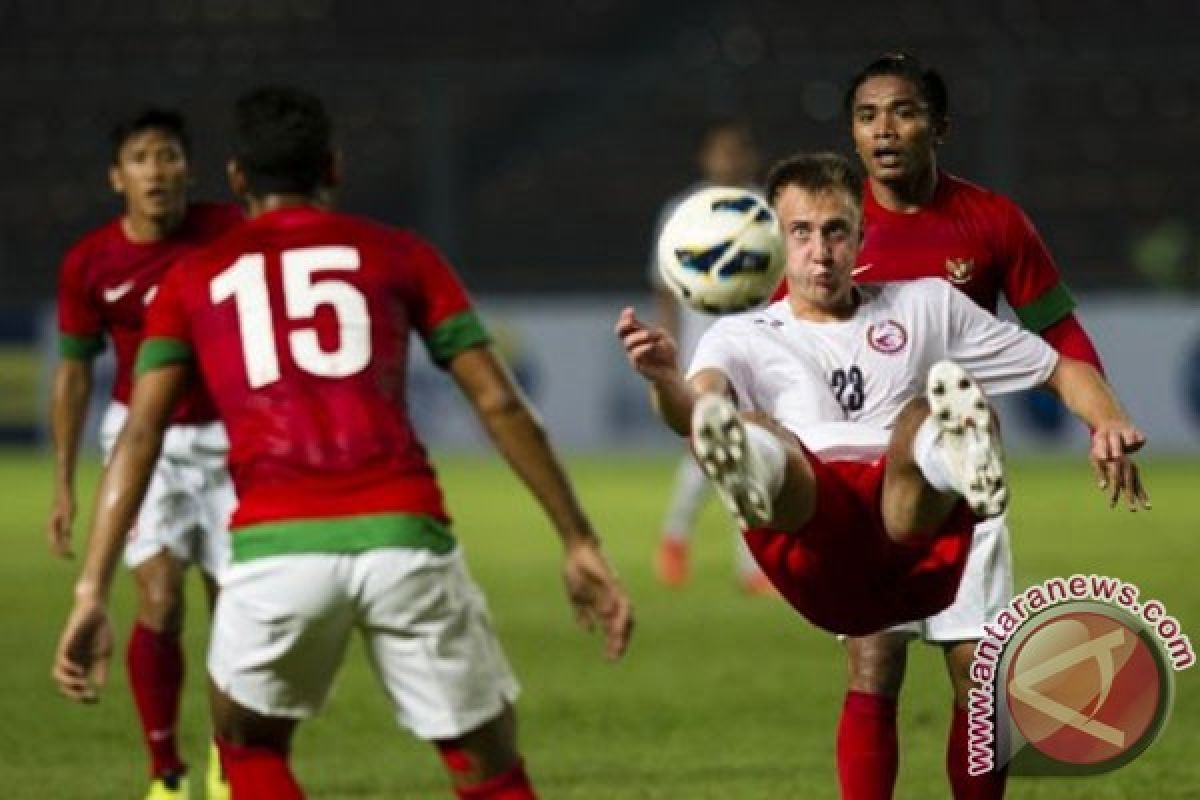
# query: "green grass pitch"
[[721, 696]]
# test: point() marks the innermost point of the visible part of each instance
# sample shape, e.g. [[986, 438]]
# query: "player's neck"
[[274, 202], [142, 229], [839, 311], [909, 194]]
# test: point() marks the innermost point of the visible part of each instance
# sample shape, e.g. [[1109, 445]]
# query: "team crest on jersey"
[[887, 337], [960, 270]]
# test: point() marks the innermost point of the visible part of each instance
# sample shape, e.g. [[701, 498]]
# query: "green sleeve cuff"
[[455, 334], [1053, 305], [161, 351], [81, 348]]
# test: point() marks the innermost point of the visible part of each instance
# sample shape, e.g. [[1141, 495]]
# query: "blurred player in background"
[[727, 156], [300, 323], [107, 280], [920, 221]]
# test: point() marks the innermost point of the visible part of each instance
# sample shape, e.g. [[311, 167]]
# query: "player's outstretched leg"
[[968, 440], [743, 478]]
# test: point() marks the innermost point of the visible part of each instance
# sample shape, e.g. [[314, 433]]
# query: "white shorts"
[[282, 623], [986, 588], [189, 500]]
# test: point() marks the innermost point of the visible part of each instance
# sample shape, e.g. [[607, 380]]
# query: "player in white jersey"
[[849, 484], [727, 156]]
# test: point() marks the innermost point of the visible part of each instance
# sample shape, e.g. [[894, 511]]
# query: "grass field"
[[721, 696]]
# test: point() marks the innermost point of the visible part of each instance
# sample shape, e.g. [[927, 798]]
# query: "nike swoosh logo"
[[860, 270], [117, 292]]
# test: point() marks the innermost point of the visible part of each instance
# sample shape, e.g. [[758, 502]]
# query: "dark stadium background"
[[534, 141]]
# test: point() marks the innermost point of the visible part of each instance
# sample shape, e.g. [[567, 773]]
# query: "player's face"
[[729, 158], [152, 174], [822, 233], [893, 131]]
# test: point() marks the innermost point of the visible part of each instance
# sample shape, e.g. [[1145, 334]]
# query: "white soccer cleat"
[[735, 469], [968, 437]]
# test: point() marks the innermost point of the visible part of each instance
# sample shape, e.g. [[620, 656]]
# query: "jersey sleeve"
[[1002, 356], [719, 348], [1032, 284], [441, 310], [167, 337], [80, 329]]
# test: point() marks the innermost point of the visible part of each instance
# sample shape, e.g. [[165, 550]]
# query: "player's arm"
[[654, 354], [72, 389], [81, 661], [510, 422], [1114, 436]]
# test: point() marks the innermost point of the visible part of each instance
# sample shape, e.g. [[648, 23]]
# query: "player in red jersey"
[[920, 221], [299, 323], [107, 280]]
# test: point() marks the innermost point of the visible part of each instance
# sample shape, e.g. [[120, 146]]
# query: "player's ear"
[[236, 177], [115, 180]]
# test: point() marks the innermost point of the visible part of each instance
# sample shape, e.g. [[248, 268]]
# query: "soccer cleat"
[[735, 469], [171, 787], [968, 438], [671, 565], [216, 787]]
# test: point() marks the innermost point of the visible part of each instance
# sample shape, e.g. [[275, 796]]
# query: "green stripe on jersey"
[[159, 351], [344, 535], [80, 348], [1054, 304], [455, 334]]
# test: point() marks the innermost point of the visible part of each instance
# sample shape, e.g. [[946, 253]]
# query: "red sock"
[[867, 750], [155, 664], [988, 786], [511, 785], [258, 773]]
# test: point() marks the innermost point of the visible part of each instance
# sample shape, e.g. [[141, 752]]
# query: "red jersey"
[[977, 239], [300, 321], [107, 281]]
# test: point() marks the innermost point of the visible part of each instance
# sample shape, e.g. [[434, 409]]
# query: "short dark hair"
[[167, 120], [284, 140], [928, 82], [815, 172]]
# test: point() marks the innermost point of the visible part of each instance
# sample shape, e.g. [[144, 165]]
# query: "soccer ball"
[[721, 251]]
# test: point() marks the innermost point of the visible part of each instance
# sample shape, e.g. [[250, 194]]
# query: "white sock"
[[770, 450], [931, 458], [687, 495]]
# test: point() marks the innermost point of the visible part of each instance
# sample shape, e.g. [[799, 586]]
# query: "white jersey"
[[839, 386]]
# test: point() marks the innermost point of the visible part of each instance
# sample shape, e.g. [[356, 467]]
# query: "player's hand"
[[1116, 474], [84, 650], [597, 596], [62, 518], [651, 351]]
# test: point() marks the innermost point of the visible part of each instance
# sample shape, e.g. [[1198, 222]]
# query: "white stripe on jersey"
[[840, 385]]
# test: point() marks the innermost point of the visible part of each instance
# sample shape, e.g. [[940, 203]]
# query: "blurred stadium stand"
[[534, 140]]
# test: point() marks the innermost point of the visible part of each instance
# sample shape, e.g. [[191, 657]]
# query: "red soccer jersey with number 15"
[[299, 322]]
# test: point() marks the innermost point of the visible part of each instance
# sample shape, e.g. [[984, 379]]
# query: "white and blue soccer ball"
[[721, 251]]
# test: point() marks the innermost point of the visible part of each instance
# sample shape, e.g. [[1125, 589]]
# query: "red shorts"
[[843, 572]]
